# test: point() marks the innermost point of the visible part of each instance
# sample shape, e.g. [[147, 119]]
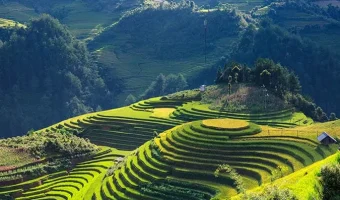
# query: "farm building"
[[326, 139]]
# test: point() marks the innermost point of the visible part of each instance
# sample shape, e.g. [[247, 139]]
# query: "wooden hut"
[[326, 139]]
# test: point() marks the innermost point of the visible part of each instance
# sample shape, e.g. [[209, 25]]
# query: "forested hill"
[[317, 67], [104, 51], [46, 75]]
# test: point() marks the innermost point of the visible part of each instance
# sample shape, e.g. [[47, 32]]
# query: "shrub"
[[332, 117], [51, 143], [238, 182], [330, 180], [271, 193]]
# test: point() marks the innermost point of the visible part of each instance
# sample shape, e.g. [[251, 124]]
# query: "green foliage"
[[165, 85], [179, 190], [271, 193], [330, 180], [332, 117], [45, 65], [279, 172], [130, 99], [265, 72], [276, 78], [316, 66], [244, 98], [52, 143], [238, 182]]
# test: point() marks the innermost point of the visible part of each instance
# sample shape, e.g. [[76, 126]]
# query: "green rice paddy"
[[148, 157]]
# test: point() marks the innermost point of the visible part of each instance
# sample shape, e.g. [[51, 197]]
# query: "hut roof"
[[325, 135]]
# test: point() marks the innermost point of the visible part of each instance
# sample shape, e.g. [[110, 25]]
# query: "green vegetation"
[[330, 181], [139, 58], [11, 158], [44, 65], [252, 136], [179, 163], [49, 143], [304, 57], [283, 85], [165, 85]]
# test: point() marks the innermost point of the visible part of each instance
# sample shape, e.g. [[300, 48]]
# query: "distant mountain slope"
[[84, 18], [166, 40]]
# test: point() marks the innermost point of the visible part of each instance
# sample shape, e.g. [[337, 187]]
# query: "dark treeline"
[[317, 67], [275, 78], [164, 85], [45, 76]]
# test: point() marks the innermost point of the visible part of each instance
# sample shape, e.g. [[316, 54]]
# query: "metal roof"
[[323, 136]]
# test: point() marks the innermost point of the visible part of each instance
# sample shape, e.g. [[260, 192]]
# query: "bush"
[[330, 180], [51, 143], [271, 193], [332, 117]]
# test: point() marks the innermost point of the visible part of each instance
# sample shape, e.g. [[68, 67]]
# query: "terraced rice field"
[[115, 129], [192, 152], [196, 111], [175, 156], [79, 183]]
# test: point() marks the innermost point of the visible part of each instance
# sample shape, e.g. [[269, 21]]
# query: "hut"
[[326, 139]]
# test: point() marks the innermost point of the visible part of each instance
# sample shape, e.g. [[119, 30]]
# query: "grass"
[[243, 98], [11, 158], [229, 124], [303, 183]]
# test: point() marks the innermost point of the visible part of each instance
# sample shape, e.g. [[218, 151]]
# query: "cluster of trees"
[[317, 67], [46, 75], [264, 73], [47, 144], [276, 78], [164, 85]]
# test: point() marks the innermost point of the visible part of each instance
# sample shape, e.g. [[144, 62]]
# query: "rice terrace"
[[169, 100], [186, 154]]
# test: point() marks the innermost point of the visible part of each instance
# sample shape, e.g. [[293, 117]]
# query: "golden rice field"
[[162, 112], [230, 124]]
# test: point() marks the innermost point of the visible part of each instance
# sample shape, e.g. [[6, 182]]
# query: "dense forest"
[[46, 76], [317, 67]]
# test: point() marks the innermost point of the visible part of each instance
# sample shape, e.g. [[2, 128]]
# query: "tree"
[[265, 77], [294, 83], [332, 116], [230, 80], [321, 116], [160, 84], [130, 99], [330, 180]]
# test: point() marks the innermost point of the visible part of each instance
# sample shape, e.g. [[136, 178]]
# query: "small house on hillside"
[[326, 139]]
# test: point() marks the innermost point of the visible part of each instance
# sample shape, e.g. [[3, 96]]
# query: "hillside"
[[176, 147], [132, 42], [147, 42]]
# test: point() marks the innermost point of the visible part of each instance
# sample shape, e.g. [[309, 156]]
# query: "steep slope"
[[165, 40]]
